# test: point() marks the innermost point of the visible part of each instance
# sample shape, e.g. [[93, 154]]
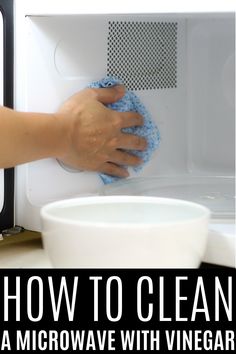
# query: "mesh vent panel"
[[143, 54]]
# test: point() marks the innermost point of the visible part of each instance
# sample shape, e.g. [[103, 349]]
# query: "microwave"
[[185, 78], [6, 99]]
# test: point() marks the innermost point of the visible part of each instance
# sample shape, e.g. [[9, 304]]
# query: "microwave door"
[[1, 103], [6, 99]]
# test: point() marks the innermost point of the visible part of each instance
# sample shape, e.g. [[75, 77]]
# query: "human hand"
[[93, 137]]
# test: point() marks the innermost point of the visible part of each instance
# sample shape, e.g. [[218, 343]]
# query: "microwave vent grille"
[[143, 54]]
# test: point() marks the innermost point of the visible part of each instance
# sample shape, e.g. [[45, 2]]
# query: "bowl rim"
[[45, 211]]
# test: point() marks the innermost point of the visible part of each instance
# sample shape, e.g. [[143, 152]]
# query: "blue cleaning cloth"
[[131, 103]]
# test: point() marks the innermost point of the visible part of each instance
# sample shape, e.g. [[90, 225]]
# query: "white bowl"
[[125, 232]]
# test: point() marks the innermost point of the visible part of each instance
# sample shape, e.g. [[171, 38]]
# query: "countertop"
[[24, 250]]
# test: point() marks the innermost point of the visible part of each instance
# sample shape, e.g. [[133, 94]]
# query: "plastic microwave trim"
[[6, 8]]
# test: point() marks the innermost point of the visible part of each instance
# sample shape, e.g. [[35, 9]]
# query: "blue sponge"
[[131, 103]]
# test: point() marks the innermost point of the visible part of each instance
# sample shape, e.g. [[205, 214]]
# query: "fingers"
[[114, 166], [108, 94], [114, 170], [124, 158], [131, 142], [129, 119]]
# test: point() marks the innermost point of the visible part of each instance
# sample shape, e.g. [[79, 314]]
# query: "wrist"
[[62, 130]]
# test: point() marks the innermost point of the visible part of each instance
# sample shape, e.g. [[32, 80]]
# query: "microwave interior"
[[182, 68]]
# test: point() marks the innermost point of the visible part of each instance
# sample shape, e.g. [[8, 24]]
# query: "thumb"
[[110, 94]]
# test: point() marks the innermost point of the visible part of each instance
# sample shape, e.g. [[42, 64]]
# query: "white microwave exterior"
[[47, 7]]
